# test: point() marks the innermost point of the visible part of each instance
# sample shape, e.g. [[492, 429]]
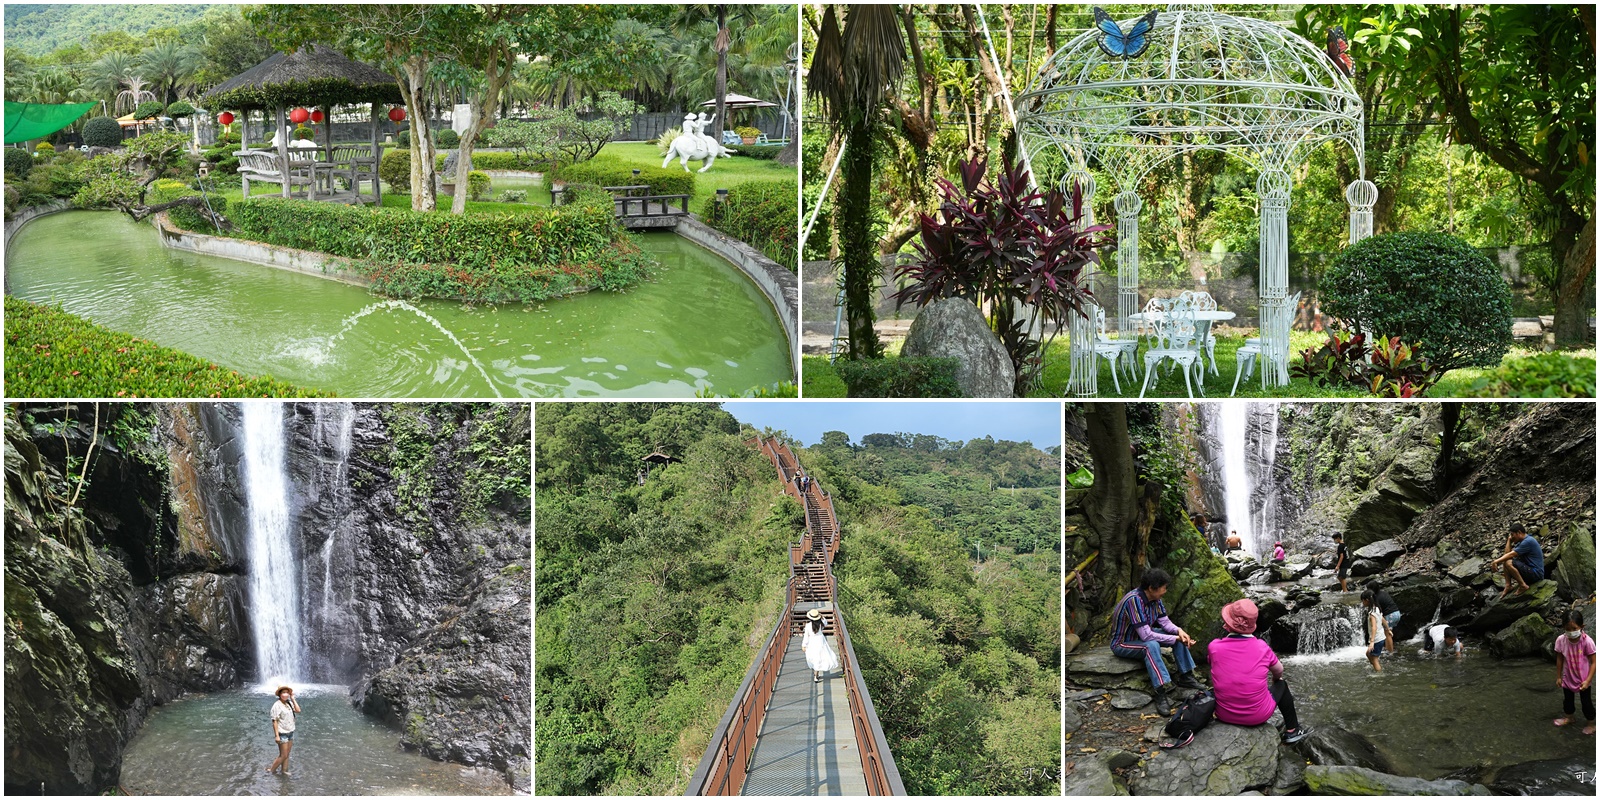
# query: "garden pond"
[[699, 324]]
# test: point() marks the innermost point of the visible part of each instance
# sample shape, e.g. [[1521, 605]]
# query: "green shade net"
[[26, 121]]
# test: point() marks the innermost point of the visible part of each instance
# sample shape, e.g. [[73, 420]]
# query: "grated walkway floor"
[[807, 744]]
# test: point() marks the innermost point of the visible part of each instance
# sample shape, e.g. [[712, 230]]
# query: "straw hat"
[[813, 614]]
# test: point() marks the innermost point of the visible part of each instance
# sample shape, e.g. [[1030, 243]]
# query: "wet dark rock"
[[1127, 699], [1329, 746], [954, 328], [1468, 569], [1291, 772], [1383, 553], [1539, 599], [1223, 759], [1560, 776], [1302, 597], [1074, 721], [1366, 782], [1528, 636]]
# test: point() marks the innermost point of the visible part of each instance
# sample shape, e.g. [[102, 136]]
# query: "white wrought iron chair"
[[1176, 340], [1246, 357], [1119, 351], [1203, 301]]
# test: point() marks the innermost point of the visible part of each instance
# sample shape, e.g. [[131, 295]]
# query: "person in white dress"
[[819, 656]]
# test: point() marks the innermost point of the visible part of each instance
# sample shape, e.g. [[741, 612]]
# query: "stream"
[[698, 324], [221, 743]]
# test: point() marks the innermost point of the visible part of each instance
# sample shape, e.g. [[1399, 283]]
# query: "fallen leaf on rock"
[[1088, 750]]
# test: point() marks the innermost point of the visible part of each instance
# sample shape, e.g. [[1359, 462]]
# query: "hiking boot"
[[1164, 705], [1295, 735], [1188, 681]]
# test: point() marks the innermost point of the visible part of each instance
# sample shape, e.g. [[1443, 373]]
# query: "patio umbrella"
[[737, 101]]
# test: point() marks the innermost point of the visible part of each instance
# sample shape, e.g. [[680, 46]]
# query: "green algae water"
[[698, 324], [221, 744]]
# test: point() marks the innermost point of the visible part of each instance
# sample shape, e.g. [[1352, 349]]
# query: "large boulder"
[[1539, 599], [1099, 669], [1403, 491], [1467, 570], [1089, 776], [955, 328], [1574, 572], [1384, 553], [1223, 759], [1528, 636], [1557, 776], [1367, 782], [1292, 570], [1336, 747]]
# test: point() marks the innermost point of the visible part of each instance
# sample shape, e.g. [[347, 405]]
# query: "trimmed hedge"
[[395, 169], [900, 377], [102, 132], [760, 152], [610, 172], [764, 215], [1542, 375], [50, 353], [494, 159], [19, 162], [535, 254], [1431, 288], [447, 138]]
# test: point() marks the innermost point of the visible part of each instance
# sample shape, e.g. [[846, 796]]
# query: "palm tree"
[[106, 75], [170, 66], [693, 14], [852, 71]]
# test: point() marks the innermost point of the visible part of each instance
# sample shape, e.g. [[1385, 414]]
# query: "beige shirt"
[[284, 716]]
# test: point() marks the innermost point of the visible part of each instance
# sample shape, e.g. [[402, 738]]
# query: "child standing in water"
[[283, 712], [1575, 661], [1378, 633]]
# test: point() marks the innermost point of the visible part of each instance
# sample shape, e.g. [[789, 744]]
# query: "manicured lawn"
[[50, 353], [727, 173]]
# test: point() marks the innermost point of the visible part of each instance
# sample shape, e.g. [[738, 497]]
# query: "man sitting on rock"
[[1248, 676], [1234, 542], [1140, 627], [1523, 562]]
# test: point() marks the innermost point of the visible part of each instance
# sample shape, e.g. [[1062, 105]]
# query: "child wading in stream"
[[1378, 633], [283, 712], [1575, 660]]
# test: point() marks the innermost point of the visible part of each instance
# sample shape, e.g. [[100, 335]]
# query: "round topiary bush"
[[180, 109], [448, 138], [395, 170], [102, 132], [44, 150], [149, 109], [403, 138], [19, 163], [1428, 288], [303, 133], [477, 184]]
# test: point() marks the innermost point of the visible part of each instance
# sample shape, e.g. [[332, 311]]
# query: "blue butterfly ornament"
[[1118, 43]]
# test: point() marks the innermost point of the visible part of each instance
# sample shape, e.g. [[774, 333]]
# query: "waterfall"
[[1266, 458], [1337, 628], [274, 587], [338, 445], [1234, 419]]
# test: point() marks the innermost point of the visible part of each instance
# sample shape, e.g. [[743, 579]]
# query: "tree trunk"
[[722, 74], [483, 106], [413, 87], [1111, 504], [858, 245], [1450, 420], [1574, 268]]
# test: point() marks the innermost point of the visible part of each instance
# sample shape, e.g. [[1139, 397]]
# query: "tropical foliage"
[[761, 214]]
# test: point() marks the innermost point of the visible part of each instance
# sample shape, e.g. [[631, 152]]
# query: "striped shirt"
[[1136, 619]]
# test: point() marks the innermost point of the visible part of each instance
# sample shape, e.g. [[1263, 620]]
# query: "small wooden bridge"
[[783, 734], [637, 209]]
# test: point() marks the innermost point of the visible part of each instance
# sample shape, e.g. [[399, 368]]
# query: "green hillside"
[[36, 28]]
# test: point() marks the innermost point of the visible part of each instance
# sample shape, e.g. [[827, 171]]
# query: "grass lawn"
[[820, 379], [725, 174]]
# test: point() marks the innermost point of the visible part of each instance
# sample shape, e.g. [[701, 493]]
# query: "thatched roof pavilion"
[[315, 76]]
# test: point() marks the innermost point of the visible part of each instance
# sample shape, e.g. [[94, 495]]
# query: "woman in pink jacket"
[[1247, 676]]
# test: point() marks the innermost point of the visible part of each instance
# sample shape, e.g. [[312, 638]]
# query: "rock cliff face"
[[413, 553]]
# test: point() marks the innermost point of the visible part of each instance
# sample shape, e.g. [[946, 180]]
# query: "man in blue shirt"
[[1523, 562], [1140, 627]]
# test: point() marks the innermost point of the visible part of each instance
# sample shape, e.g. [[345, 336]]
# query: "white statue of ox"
[[694, 145]]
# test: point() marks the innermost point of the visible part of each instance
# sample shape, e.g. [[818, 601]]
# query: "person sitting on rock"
[[1234, 542], [1440, 640], [1523, 562], [1575, 661], [1378, 633], [1248, 676], [1140, 627], [1277, 552], [1341, 562]]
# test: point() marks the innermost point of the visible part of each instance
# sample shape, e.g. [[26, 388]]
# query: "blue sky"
[[806, 420]]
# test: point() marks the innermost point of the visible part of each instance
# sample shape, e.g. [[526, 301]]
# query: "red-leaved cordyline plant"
[[1018, 253]]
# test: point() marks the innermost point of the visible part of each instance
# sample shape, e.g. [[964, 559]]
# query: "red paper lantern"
[[299, 116], [397, 114], [226, 118], [316, 115]]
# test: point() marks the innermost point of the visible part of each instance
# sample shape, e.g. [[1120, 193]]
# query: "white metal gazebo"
[[1206, 81]]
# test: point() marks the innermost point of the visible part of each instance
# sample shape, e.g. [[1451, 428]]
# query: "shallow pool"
[[699, 324], [221, 744]]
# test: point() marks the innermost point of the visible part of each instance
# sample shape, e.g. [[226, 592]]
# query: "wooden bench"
[[263, 166]]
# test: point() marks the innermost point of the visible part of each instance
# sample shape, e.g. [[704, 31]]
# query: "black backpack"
[[1192, 715]]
